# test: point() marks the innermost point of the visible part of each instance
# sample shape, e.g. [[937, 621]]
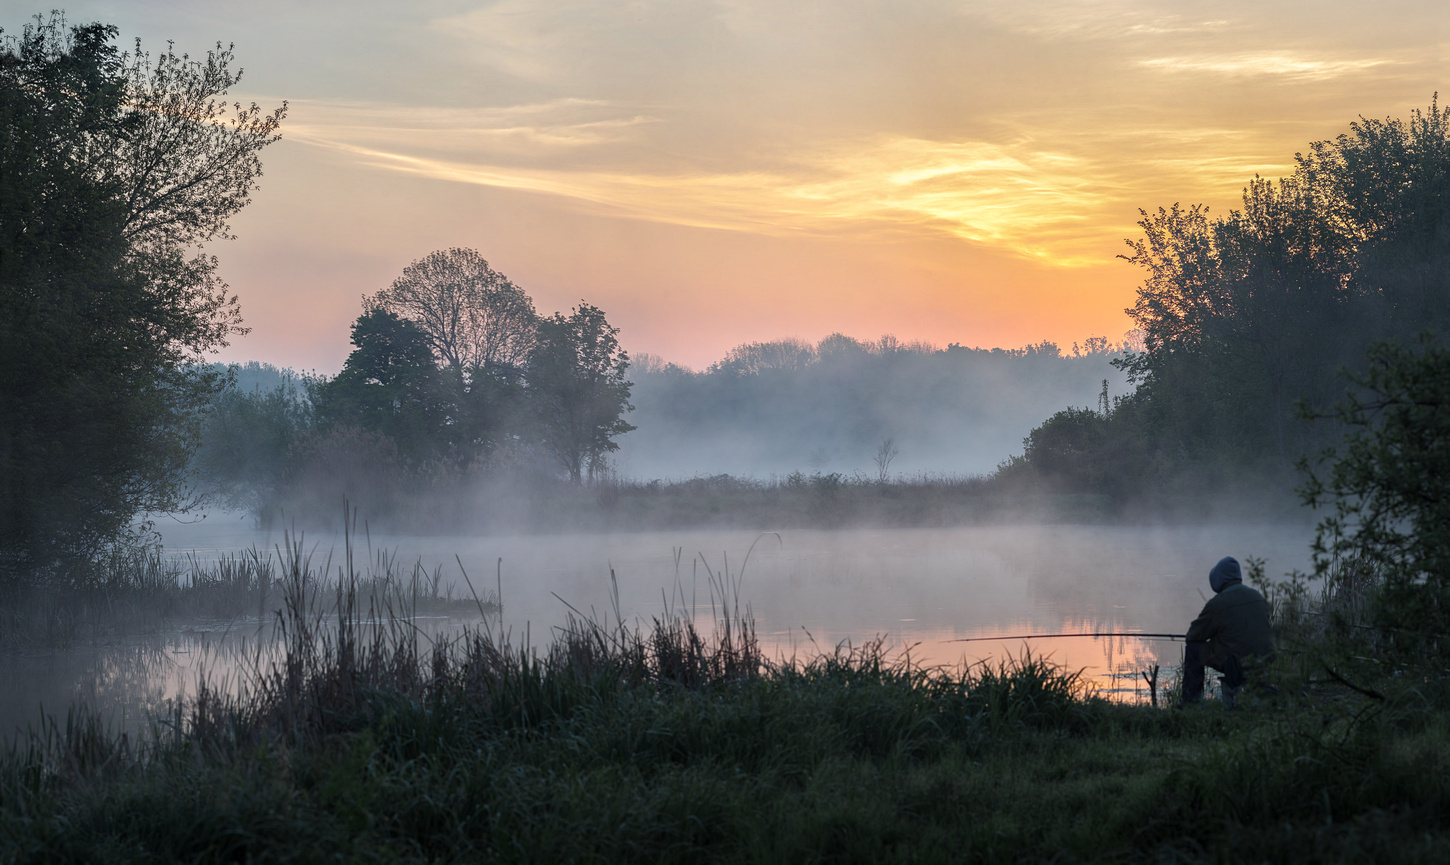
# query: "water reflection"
[[922, 591]]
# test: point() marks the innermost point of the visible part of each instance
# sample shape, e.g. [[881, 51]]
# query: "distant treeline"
[[769, 416], [881, 407]]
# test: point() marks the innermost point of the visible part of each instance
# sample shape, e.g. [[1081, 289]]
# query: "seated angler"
[[1230, 635]]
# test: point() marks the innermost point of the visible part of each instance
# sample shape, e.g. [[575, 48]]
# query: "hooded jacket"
[[1236, 619]]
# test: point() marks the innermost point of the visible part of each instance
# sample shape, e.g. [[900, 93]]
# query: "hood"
[[1225, 574]]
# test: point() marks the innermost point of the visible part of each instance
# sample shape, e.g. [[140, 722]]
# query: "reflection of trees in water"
[[128, 681], [125, 682]]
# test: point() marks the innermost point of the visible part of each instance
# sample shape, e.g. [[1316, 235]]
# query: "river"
[[922, 590]]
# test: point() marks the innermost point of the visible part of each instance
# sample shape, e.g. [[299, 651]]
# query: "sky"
[[714, 172]]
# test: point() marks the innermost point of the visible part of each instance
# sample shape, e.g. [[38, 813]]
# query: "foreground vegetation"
[[363, 742]]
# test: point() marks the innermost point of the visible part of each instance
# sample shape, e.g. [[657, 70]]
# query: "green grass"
[[670, 743]]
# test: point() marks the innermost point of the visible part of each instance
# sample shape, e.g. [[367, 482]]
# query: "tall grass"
[[354, 673]]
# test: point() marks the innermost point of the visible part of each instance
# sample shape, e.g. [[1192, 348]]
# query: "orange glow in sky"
[[712, 172]]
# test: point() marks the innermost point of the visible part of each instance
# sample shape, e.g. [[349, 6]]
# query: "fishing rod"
[[1046, 636]]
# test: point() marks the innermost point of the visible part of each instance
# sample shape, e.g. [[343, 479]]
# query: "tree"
[[389, 385], [885, 453], [1389, 484], [1245, 315], [480, 327], [577, 389], [757, 358], [115, 169], [1390, 183], [473, 316]]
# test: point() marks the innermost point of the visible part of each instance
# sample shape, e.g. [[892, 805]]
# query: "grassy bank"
[[670, 743], [517, 503]]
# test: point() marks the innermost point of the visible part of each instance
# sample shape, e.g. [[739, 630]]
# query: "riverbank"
[[668, 744], [505, 503]]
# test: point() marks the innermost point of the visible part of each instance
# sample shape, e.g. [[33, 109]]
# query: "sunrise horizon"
[[722, 173]]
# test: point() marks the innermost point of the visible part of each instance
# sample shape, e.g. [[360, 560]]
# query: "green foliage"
[[389, 385], [114, 169], [578, 393], [392, 385], [479, 327], [1069, 449], [398, 422], [1246, 315], [1389, 485]]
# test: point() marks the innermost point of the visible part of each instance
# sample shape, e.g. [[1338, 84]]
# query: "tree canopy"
[[1246, 315], [442, 390], [474, 318], [578, 390], [1387, 484], [115, 169], [388, 385]]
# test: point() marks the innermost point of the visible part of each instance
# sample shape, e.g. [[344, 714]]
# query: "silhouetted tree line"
[[1249, 320], [451, 370]]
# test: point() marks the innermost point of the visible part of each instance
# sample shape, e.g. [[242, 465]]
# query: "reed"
[[130, 592]]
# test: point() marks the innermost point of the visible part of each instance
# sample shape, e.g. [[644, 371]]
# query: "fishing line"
[[1054, 636]]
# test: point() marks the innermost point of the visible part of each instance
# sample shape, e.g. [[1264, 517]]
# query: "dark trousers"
[[1198, 655]]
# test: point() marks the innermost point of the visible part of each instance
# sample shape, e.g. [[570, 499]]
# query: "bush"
[[1389, 486]]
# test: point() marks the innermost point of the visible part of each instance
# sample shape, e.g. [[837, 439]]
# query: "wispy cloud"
[[1276, 64], [531, 130], [1033, 202], [1093, 19], [704, 114]]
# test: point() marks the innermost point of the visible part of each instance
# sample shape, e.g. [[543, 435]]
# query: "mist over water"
[[775, 408], [808, 591]]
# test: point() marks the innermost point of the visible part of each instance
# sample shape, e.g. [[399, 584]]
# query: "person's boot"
[[1233, 679]]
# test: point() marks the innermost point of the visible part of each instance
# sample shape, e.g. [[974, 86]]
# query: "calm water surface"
[[922, 590]]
